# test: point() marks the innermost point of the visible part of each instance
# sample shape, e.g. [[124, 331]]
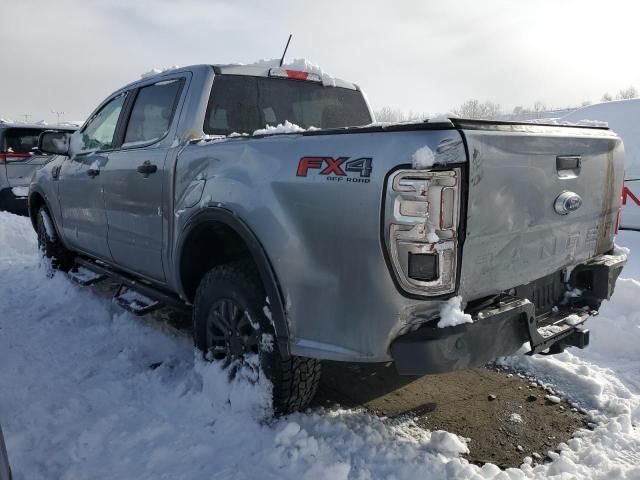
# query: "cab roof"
[[265, 69]]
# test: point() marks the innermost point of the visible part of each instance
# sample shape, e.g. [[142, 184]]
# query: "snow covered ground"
[[91, 392]]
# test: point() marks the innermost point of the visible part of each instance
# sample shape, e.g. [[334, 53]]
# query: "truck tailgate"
[[514, 233]]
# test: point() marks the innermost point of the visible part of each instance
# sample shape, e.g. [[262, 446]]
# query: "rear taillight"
[[294, 74], [421, 229], [13, 157]]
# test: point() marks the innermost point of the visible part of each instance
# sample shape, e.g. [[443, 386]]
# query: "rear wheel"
[[49, 242], [230, 325]]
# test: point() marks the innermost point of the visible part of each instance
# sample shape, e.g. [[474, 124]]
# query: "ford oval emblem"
[[567, 202]]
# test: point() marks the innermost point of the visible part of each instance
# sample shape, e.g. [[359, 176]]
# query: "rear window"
[[20, 140], [244, 104]]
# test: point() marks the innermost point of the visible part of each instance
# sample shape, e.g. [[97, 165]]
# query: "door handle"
[[147, 168], [93, 172]]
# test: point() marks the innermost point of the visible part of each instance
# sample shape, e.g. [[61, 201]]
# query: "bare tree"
[[394, 115], [606, 97], [539, 107], [477, 109], [627, 93]]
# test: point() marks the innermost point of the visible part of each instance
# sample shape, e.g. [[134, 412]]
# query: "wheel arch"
[[36, 200], [221, 229]]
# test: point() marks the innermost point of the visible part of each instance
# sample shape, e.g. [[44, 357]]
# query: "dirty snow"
[[92, 392], [515, 418], [573, 319], [451, 313]]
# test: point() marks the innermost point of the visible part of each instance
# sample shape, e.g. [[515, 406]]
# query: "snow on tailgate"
[[90, 392]]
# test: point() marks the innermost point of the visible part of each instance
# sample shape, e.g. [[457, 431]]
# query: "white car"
[[623, 117]]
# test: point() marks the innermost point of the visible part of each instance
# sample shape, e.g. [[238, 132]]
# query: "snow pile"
[[286, 127], [451, 313], [630, 240], [515, 418], [423, 158], [301, 64], [97, 393], [91, 392], [157, 71]]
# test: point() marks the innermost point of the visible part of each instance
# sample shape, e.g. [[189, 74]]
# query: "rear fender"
[[259, 256]]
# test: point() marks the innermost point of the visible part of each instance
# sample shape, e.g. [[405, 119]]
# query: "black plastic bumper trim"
[[501, 329]]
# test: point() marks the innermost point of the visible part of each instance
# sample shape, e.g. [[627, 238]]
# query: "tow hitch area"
[[548, 313]]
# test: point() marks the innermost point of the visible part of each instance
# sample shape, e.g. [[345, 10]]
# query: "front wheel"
[[50, 244], [230, 325]]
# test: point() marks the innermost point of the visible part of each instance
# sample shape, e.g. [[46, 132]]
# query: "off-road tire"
[[49, 243], [294, 379]]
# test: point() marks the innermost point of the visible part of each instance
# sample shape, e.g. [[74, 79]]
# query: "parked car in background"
[[18, 161], [623, 117]]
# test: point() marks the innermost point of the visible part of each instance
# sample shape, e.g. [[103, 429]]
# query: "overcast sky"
[[419, 55]]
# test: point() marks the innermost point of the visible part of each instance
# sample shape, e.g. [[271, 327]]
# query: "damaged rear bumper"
[[502, 327]]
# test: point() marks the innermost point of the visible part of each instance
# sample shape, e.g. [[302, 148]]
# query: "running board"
[[85, 277], [135, 302], [153, 297]]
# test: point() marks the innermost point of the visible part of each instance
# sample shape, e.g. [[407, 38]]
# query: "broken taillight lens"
[[421, 225]]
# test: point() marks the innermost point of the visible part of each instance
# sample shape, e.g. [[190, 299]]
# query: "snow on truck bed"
[[91, 392]]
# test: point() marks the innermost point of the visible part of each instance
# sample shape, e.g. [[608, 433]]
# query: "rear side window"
[[244, 104], [20, 140], [152, 112]]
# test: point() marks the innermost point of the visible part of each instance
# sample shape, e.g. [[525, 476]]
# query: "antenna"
[[26, 117], [285, 50]]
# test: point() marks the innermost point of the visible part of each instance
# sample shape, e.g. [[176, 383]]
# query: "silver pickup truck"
[[438, 245]]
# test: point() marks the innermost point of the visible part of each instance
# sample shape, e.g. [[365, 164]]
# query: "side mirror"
[[54, 142]]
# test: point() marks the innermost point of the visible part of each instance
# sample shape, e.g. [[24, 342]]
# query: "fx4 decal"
[[337, 169]]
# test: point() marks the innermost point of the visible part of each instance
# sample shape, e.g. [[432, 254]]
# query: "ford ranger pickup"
[[268, 203]]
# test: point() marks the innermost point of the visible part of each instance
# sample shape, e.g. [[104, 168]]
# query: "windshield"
[[244, 104]]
